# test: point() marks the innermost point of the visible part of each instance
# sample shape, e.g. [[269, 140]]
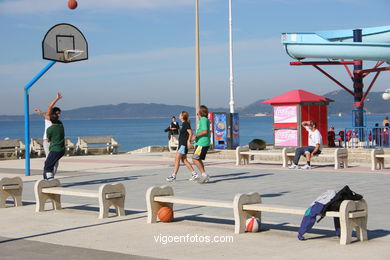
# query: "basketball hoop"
[[70, 55]]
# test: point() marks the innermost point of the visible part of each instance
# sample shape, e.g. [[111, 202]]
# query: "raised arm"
[[51, 105], [306, 123], [45, 115]]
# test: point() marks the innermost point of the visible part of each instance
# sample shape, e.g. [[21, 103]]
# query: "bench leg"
[[14, 193], [240, 215], [41, 197], [347, 225], [153, 206], [105, 202]]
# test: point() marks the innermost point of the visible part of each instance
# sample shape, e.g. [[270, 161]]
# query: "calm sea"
[[137, 133]]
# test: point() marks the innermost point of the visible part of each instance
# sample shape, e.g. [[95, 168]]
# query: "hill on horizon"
[[374, 104]]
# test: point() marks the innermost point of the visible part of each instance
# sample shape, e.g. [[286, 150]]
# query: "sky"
[[143, 51]]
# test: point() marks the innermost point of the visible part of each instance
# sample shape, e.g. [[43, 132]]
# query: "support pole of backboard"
[[27, 113]]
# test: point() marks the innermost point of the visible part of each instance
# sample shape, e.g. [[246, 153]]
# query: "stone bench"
[[339, 155], [87, 144], [11, 187], [243, 155], [378, 159], [352, 214], [157, 197], [108, 195], [12, 147], [173, 143]]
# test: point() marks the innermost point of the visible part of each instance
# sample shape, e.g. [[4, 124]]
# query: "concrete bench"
[[243, 155], [11, 187], [173, 143], [352, 214], [12, 147], [378, 159], [339, 156], [87, 144], [108, 195], [36, 147], [157, 197]]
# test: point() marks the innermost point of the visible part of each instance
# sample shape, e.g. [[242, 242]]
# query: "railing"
[[367, 137]]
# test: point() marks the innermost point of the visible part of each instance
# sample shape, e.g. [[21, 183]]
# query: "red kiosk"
[[293, 107]]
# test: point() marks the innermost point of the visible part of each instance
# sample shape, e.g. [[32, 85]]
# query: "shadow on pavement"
[[236, 176], [67, 229], [100, 181]]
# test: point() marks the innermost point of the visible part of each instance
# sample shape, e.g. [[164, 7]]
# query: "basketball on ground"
[[252, 224], [72, 4], [165, 214]]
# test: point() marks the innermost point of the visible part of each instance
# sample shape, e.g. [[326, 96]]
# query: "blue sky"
[[142, 51]]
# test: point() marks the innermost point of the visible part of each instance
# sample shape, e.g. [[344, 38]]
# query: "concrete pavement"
[[76, 228]]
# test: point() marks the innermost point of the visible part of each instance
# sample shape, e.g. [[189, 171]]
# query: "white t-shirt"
[[47, 125], [314, 137]]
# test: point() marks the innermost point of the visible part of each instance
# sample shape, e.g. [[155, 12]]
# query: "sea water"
[[136, 133]]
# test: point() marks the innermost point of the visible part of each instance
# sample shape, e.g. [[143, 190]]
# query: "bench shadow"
[[236, 176], [272, 195], [94, 208], [100, 181], [10, 203], [68, 229], [331, 166], [200, 218]]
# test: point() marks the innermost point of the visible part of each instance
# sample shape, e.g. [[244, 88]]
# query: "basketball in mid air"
[[72, 4]]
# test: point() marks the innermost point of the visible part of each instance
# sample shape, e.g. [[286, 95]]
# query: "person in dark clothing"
[[184, 143], [331, 137], [56, 136], [173, 128]]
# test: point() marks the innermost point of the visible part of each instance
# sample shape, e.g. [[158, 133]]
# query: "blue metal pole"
[[27, 113]]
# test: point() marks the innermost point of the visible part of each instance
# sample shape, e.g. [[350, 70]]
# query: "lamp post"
[[197, 63], [231, 102]]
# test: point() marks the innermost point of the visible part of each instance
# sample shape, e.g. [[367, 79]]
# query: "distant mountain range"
[[343, 104]]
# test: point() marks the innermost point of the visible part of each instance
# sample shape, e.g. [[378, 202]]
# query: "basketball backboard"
[[64, 43]]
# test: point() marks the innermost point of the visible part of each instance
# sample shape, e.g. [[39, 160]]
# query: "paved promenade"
[[77, 233]]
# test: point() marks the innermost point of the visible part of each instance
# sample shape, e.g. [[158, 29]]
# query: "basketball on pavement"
[[165, 214]]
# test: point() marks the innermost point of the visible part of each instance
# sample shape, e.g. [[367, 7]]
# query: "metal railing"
[[366, 137]]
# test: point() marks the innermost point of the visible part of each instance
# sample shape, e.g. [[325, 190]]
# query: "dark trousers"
[[302, 151], [51, 161]]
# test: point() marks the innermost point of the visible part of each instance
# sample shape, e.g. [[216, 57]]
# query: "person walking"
[[202, 144], [56, 136], [314, 148], [185, 136]]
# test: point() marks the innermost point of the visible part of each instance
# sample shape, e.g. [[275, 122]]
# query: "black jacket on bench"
[[344, 194]]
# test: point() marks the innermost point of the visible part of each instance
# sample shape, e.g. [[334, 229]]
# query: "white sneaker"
[[205, 178], [306, 167], [171, 178], [293, 166], [49, 176], [194, 177]]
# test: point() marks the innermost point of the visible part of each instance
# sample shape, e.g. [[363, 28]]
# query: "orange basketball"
[[165, 214], [72, 4]]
